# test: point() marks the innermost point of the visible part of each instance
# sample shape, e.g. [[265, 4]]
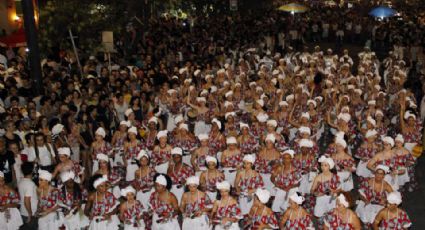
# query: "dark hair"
[[92, 179], [27, 168], [167, 178], [77, 193]]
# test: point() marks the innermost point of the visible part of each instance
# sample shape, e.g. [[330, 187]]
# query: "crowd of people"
[[237, 126]]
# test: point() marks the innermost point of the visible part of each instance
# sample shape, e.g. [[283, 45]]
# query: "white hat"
[[128, 190], [201, 99], [243, 125], [213, 89], [184, 126], [153, 119], [342, 142], [306, 115], [132, 130], [224, 185], [192, 180], [399, 138], [178, 118], [312, 102], [371, 102], [142, 153], [128, 112], [58, 128], [388, 140], [272, 123], [228, 114], [177, 151], [64, 151], [270, 137], [358, 91], [290, 152], [263, 195], [208, 76], [275, 72], [342, 200], [408, 114], [182, 70], [162, 133], [67, 175], [327, 160], [204, 92], [339, 134], [231, 140], [102, 157], [344, 116], [221, 71], [306, 143], [290, 97], [1, 174], [217, 122], [160, 179], [228, 94], [211, 159], [318, 98], [203, 136], [171, 91], [297, 198], [384, 168], [126, 123], [101, 132], [379, 112], [350, 86], [258, 88], [188, 81], [371, 133], [394, 198], [225, 83], [262, 117], [45, 175], [227, 104], [249, 158], [260, 102], [196, 73], [283, 103], [304, 129], [100, 181], [371, 121]]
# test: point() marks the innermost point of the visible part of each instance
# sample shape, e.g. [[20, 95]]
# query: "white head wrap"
[[101, 132], [126, 123], [399, 138], [384, 168], [262, 117], [161, 180], [341, 142], [102, 157], [64, 151], [342, 200], [45, 175], [249, 158], [304, 129], [202, 136], [192, 180], [297, 198], [327, 160], [128, 190], [290, 152], [306, 143], [224, 185], [132, 130], [231, 140], [162, 133], [371, 133], [58, 128], [263, 195], [67, 175], [100, 181], [270, 137], [141, 154], [388, 140], [243, 125], [394, 198], [272, 123], [128, 112], [306, 115], [177, 151], [211, 159]]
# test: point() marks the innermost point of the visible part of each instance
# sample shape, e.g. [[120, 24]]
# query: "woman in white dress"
[[131, 210], [226, 212], [9, 201], [344, 165], [48, 203]]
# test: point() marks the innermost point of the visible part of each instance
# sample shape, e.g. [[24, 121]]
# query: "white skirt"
[[198, 223], [393, 181], [53, 220], [410, 146], [171, 125], [280, 203], [111, 224], [171, 225], [76, 221], [13, 222], [178, 192], [201, 128], [403, 178], [130, 171], [75, 154], [362, 170], [143, 197], [230, 176], [245, 203], [162, 168], [346, 181], [131, 226], [234, 226], [268, 184], [212, 196], [306, 182], [201, 170], [367, 213], [323, 205]]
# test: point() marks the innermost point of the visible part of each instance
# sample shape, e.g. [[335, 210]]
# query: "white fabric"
[[105, 224], [306, 182], [27, 188], [268, 184], [393, 181], [367, 213], [178, 192], [131, 170], [171, 225], [346, 181], [362, 170], [234, 226], [198, 223], [323, 205], [52, 220], [245, 203], [143, 197], [280, 203], [162, 168], [13, 222], [230, 176], [76, 221]]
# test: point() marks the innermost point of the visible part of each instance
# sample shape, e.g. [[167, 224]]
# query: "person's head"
[[64, 154], [177, 154], [326, 163], [39, 139], [211, 162], [129, 193], [44, 178], [343, 201], [295, 200], [162, 183], [9, 126], [393, 200], [103, 161], [132, 133], [388, 143], [100, 184], [287, 156], [399, 141], [192, 183], [162, 137], [14, 147], [244, 128], [100, 134], [231, 143], [262, 196], [203, 139], [248, 161], [380, 172], [223, 188], [67, 178], [27, 168]]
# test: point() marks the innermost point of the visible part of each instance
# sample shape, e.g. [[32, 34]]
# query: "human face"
[[63, 158], [287, 159], [211, 165], [103, 164], [204, 143], [144, 161], [192, 187], [398, 144], [325, 167], [379, 175], [387, 146], [101, 188], [163, 141], [132, 136], [39, 140], [130, 196], [43, 183], [224, 192], [99, 138], [159, 187], [247, 165], [177, 158], [269, 144]]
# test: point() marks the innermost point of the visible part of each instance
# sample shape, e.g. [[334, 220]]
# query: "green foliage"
[[86, 19]]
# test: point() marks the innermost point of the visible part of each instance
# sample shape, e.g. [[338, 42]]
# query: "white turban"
[[408, 114], [67, 175], [243, 125], [249, 158], [227, 104], [102, 157], [154, 120], [290, 152], [202, 137], [161, 180], [312, 102], [100, 181], [228, 94], [231, 140], [344, 116], [384, 168], [211, 159], [192, 180], [128, 112], [371, 121], [306, 115], [260, 102], [196, 73], [162, 133], [388, 140], [270, 137], [141, 154], [263, 195], [201, 99], [177, 151], [64, 151], [307, 143], [341, 142], [126, 123], [184, 126], [58, 128], [178, 119], [399, 138], [304, 129], [371, 133], [101, 132], [217, 122], [262, 117], [283, 103], [272, 123], [297, 198], [290, 97], [327, 160], [394, 198], [371, 102], [128, 190], [132, 130], [224, 185], [227, 115], [342, 200], [45, 175]]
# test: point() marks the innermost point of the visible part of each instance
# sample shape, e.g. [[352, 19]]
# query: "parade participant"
[[226, 212], [247, 143], [106, 170], [246, 183], [267, 160], [217, 141], [48, 214], [71, 199], [342, 217], [392, 217], [151, 133], [161, 154], [101, 207], [185, 140], [260, 215], [200, 154], [66, 164], [373, 195], [99, 146], [131, 210], [164, 205], [143, 182], [211, 177], [296, 217], [286, 179], [9, 202], [306, 163], [279, 140], [118, 139], [344, 165], [365, 152], [405, 162], [202, 115], [195, 206], [132, 147], [231, 159], [178, 172], [325, 187]]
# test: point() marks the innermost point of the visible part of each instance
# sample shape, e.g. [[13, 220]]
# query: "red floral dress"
[[266, 166], [200, 204], [402, 221], [233, 161], [228, 211], [180, 175], [67, 199], [298, 223], [49, 200], [11, 197], [325, 186], [215, 143], [163, 210], [105, 206], [258, 131], [287, 179], [210, 182], [305, 164], [145, 183], [249, 146], [341, 164], [160, 156], [259, 219], [150, 142], [131, 214], [335, 221], [415, 136], [250, 182], [186, 145], [373, 196], [365, 153], [133, 151]]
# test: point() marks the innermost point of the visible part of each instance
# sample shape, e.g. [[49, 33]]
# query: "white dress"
[[10, 219], [173, 224], [198, 223]]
